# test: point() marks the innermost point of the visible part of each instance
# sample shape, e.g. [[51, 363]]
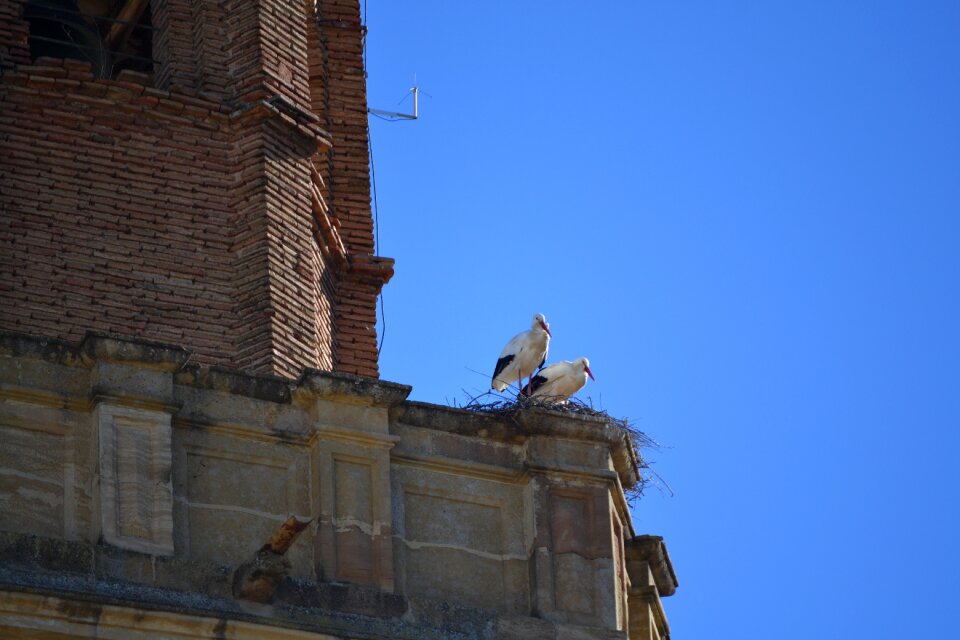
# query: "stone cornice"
[[103, 347], [25, 345], [234, 381], [522, 424], [346, 387], [653, 551]]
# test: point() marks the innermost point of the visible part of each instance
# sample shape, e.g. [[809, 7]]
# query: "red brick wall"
[[338, 93], [183, 213]]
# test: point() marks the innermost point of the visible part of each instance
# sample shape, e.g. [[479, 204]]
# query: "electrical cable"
[[376, 231], [373, 184]]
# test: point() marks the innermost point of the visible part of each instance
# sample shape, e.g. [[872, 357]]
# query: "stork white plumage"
[[559, 381], [525, 353]]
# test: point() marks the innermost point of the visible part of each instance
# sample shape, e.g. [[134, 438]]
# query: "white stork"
[[559, 381], [525, 353]]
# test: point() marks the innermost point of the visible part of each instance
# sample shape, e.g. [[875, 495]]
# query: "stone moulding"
[[653, 551], [349, 388], [525, 424]]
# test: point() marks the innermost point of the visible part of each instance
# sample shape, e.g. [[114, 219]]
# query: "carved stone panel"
[[570, 520], [136, 495], [574, 560], [353, 520], [353, 481]]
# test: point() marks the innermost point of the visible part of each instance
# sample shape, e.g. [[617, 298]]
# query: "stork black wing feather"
[[502, 364], [535, 383]]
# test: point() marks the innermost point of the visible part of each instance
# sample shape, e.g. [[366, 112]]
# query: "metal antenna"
[[415, 90]]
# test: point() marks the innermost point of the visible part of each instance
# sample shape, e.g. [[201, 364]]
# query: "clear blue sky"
[[746, 215]]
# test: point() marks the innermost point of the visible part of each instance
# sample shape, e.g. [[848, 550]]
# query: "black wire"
[[376, 208], [377, 115], [376, 230], [383, 325], [373, 182], [363, 40]]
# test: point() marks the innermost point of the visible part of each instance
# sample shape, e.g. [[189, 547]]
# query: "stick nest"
[[507, 408]]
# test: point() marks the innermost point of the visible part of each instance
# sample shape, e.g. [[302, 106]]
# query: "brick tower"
[[193, 172], [187, 277]]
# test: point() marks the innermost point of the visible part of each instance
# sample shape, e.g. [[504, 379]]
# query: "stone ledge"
[[234, 381], [518, 427], [95, 346], [515, 428], [653, 551], [105, 347], [350, 388], [24, 345]]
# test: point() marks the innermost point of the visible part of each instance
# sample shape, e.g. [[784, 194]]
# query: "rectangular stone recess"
[[454, 549], [571, 515], [31, 478], [353, 519], [136, 493], [236, 497], [134, 501], [456, 523]]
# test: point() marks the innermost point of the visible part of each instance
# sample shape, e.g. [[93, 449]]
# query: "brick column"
[[338, 95], [210, 30], [267, 50], [173, 45]]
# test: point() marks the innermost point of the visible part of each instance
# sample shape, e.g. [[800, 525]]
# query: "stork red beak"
[[546, 328], [589, 373]]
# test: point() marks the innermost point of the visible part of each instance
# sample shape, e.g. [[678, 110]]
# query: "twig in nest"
[[507, 407]]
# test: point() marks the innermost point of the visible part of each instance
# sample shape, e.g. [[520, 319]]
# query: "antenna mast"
[[415, 90]]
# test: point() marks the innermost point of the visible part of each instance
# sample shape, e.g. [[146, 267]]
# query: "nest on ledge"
[[508, 407]]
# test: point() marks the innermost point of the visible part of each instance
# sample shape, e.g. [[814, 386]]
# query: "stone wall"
[[132, 477]]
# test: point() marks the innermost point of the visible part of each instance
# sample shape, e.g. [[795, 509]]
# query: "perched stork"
[[523, 355], [560, 381]]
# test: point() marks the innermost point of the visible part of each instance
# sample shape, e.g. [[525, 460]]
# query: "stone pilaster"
[[131, 388], [350, 455], [651, 578], [574, 562]]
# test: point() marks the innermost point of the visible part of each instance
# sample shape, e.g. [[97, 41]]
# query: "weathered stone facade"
[[132, 478]]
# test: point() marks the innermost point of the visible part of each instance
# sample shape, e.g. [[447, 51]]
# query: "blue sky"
[[746, 215]]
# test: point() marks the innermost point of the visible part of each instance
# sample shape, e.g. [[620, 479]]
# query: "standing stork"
[[559, 381], [525, 353]]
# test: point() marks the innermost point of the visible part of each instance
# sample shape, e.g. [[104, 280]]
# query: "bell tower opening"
[[112, 35]]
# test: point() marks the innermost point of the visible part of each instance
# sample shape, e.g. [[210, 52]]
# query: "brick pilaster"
[[173, 44]]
